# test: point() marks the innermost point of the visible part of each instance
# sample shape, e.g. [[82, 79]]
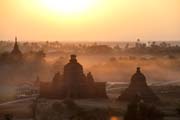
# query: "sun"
[[68, 6]]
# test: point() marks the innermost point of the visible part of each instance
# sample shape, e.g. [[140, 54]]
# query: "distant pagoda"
[[16, 51], [13, 57], [138, 87]]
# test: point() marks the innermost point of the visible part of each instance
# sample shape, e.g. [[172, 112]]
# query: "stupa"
[[138, 87], [16, 51]]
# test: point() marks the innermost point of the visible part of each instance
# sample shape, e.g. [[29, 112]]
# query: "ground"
[[22, 109]]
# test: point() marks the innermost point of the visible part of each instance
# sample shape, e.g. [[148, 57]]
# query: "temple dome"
[[138, 75], [138, 79], [138, 86]]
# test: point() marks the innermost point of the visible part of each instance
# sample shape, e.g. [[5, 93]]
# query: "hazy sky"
[[103, 20]]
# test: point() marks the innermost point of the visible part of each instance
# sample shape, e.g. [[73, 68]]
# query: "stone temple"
[[73, 83], [138, 87]]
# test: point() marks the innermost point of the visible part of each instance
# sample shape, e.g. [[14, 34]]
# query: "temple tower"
[[74, 77]]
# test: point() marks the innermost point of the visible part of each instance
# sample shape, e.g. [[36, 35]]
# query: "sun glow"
[[68, 6]]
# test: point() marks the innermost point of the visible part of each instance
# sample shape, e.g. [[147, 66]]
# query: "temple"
[[16, 51], [14, 57], [138, 87], [73, 83]]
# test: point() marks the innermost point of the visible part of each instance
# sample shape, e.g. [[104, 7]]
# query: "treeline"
[[138, 47]]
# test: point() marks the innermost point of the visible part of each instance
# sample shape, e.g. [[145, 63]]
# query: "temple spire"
[[73, 58], [138, 70], [16, 50]]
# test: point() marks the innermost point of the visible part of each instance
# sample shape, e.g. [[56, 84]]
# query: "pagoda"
[[138, 87], [16, 51]]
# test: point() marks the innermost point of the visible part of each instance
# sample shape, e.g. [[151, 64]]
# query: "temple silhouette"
[[138, 87], [14, 57], [16, 51], [73, 83]]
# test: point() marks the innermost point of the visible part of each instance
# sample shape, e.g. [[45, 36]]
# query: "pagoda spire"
[[16, 50], [138, 70]]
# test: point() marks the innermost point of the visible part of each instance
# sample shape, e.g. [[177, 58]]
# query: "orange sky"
[[105, 20]]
